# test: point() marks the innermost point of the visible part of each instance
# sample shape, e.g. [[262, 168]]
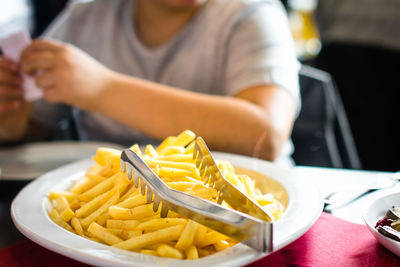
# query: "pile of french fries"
[[106, 207]]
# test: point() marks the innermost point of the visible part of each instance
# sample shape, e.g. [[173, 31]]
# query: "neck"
[[156, 23]]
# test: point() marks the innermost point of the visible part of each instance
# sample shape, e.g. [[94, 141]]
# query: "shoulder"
[[241, 9], [232, 16]]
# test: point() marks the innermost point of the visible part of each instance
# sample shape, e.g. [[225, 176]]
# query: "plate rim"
[[50, 145], [74, 253]]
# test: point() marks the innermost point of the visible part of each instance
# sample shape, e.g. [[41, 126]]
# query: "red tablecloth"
[[330, 242]]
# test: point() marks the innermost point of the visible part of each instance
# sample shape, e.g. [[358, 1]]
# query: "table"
[[355, 181], [324, 178]]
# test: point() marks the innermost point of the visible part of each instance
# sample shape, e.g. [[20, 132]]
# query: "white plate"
[[29, 214], [376, 211], [31, 160]]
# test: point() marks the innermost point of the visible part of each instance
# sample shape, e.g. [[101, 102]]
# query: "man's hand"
[[14, 111], [65, 73], [11, 94]]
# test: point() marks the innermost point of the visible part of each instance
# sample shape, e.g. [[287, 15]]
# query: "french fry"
[[221, 245], [122, 224], [55, 217], [160, 223], [118, 232], [145, 219], [95, 239], [75, 204], [201, 191], [94, 170], [125, 234], [143, 211], [184, 138], [93, 204], [181, 186], [70, 196], [61, 204], [173, 150], [265, 199], [133, 201], [168, 251], [199, 235], [172, 172], [189, 149], [150, 151], [119, 213], [108, 170], [186, 239], [163, 235], [177, 157], [89, 219], [130, 192], [133, 233], [249, 186], [82, 185], [103, 234], [136, 149], [102, 218], [275, 209], [192, 253], [76, 225], [105, 155], [95, 177], [172, 164], [67, 214], [211, 238], [99, 188], [166, 143], [149, 252], [203, 252]]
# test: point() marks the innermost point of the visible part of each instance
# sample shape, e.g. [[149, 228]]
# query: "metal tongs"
[[256, 232]]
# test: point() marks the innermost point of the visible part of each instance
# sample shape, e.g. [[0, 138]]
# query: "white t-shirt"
[[228, 46]]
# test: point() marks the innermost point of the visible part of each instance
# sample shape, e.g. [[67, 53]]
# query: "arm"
[[257, 120]]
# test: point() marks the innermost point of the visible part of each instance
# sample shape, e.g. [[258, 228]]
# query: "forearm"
[[227, 123]]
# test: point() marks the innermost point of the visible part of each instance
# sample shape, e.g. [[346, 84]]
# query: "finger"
[[46, 80], [9, 105], [44, 45], [7, 92], [33, 61], [11, 79], [8, 65]]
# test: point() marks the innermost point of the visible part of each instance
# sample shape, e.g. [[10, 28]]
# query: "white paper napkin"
[[12, 47]]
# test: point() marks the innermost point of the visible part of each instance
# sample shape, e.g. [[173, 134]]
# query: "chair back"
[[321, 133]]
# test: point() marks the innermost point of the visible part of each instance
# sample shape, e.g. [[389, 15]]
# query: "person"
[[138, 71], [361, 49]]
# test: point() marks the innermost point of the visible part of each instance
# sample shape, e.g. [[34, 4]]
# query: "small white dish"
[[375, 211], [29, 214]]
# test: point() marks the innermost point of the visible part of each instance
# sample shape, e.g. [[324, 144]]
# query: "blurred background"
[[354, 43]]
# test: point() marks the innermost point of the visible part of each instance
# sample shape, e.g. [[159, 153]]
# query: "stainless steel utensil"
[[227, 191], [239, 226]]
